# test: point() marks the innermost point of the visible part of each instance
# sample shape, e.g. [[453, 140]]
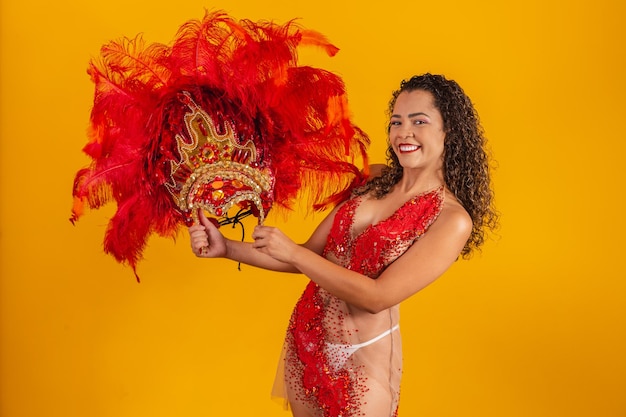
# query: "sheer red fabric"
[[339, 360]]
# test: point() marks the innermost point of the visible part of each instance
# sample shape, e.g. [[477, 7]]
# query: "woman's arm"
[[208, 242], [420, 265]]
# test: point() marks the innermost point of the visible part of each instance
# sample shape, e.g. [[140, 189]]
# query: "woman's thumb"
[[206, 222]]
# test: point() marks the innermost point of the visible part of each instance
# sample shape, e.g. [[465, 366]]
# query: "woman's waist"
[[345, 323]]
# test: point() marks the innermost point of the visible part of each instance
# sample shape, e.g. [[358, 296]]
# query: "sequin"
[[327, 381]]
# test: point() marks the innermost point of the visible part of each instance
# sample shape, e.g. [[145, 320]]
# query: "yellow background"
[[535, 326]]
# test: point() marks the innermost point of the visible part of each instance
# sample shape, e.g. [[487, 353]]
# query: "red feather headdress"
[[222, 117]]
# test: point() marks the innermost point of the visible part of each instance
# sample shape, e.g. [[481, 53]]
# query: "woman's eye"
[[419, 122]]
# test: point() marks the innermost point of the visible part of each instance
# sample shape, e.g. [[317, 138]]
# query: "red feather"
[[242, 72]]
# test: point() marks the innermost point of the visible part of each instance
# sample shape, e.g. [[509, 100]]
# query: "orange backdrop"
[[535, 326]]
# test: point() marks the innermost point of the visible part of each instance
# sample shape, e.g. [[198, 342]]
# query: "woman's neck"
[[414, 182]]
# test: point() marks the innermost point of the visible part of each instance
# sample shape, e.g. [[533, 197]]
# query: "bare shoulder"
[[453, 217]]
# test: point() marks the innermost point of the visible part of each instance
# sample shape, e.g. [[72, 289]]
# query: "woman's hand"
[[206, 239], [271, 241]]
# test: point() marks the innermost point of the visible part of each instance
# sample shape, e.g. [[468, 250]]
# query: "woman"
[[393, 237]]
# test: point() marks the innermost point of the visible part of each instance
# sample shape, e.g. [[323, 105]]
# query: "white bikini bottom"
[[338, 353]]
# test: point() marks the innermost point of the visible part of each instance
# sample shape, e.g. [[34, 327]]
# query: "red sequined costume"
[[339, 360]]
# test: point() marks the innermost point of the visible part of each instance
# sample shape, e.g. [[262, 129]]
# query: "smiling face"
[[416, 131]]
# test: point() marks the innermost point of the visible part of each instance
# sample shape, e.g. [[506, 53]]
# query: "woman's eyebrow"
[[412, 114]]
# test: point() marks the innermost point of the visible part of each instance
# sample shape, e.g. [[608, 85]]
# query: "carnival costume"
[[339, 360], [223, 120]]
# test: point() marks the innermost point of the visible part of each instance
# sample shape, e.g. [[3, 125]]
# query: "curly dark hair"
[[465, 158]]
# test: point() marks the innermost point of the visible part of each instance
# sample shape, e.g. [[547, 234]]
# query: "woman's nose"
[[405, 133]]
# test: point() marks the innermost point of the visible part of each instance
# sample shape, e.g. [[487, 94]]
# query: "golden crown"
[[216, 172]]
